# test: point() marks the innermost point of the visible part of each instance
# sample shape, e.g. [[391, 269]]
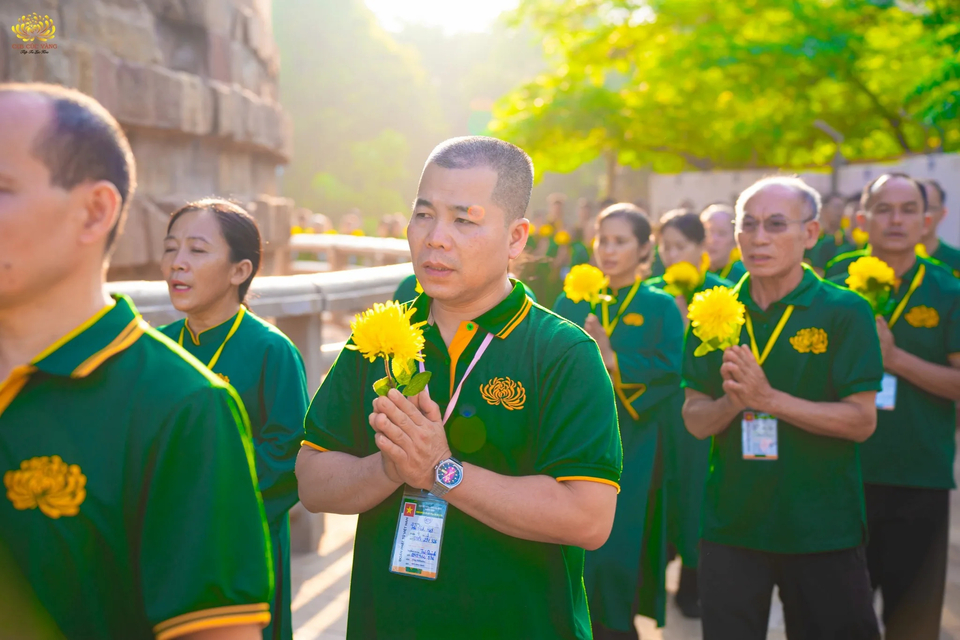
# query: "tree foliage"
[[678, 84]]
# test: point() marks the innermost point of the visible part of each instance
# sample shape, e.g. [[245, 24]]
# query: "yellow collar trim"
[[92, 320]]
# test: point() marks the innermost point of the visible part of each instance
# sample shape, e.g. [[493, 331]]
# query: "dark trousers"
[[826, 596], [907, 557]]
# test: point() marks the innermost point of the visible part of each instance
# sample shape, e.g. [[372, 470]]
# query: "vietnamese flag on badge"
[[410, 509]]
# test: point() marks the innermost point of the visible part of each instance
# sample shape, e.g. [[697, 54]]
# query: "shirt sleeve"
[[203, 540], [579, 438], [284, 399], [337, 417], [654, 364], [857, 363]]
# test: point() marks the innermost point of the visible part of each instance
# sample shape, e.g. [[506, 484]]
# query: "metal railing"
[[339, 249], [296, 304]]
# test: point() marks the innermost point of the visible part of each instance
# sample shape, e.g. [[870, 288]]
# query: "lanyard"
[[610, 326], [233, 330], [761, 358], [726, 270], [917, 279], [456, 394]]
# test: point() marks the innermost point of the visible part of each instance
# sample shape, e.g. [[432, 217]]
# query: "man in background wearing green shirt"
[[908, 462], [937, 248], [525, 451], [786, 408], [721, 244], [131, 507]]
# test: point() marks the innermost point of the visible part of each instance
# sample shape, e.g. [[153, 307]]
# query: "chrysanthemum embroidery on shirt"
[[48, 483], [810, 340], [923, 317], [504, 392]]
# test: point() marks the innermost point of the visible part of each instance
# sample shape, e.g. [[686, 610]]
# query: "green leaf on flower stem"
[[383, 386], [403, 371], [417, 384]]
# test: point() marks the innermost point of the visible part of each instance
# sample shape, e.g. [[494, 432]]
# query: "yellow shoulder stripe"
[[229, 616], [517, 319], [307, 443], [130, 334], [589, 479]]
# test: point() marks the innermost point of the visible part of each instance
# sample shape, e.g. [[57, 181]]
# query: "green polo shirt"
[[914, 443], [539, 402], [948, 255], [827, 248], [131, 502], [407, 290], [810, 499]]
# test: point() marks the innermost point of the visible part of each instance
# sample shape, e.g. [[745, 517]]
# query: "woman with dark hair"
[[640, 335], [210, 256], [682, 237]]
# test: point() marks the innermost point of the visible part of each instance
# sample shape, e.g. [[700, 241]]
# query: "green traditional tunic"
[[948, 255], [646, 333], [687, 460], [732, 272], [131, 506], [267, 371]]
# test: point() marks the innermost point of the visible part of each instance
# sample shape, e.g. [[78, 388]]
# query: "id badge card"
[[416, 546], [759, 436], [887, 396]]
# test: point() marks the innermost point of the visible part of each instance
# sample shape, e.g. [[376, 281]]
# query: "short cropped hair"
[[513, 166], [718, 207], [81, 143], [933, 184], [871, 188], [686, 222], [809, 196]]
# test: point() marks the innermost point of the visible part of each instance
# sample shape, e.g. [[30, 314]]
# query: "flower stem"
[[386, 365]]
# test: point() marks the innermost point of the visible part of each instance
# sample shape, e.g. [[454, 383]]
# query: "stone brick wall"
[[194, 85]]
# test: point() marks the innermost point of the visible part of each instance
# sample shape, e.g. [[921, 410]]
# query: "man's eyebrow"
[[461, 208], [423, 202]]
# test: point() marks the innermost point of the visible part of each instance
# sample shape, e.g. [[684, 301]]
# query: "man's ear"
[[99, 203], [519, 232]]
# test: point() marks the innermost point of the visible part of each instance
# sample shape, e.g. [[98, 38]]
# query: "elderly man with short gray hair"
[[786, 408]]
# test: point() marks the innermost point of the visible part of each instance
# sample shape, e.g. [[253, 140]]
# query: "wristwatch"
[[449, 475]]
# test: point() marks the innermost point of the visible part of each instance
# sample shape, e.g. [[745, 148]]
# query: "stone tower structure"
[[194, 85]]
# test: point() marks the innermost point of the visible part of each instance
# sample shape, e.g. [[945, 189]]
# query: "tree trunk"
[[611, 186]]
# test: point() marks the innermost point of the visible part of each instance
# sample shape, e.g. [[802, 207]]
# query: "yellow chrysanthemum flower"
[[860, 237], [331, 232], [546, 231], [585, 282], [385, 331], [870, 273], [296, 230], [716, 317], [734, 255], [562, 238], [533, 230], [845, 223], [683, 278], [357, 232]]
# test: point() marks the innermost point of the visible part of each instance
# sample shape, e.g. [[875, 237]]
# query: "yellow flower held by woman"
[[385, 331], [716, 317], [357, 232], [546, 230], [585, 282], [682, 279], [562, 238]]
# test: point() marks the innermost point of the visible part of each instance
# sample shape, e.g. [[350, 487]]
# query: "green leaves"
[[383, 386], [417, 384]]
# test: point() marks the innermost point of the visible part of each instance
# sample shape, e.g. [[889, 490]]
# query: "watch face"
[[449, 474]]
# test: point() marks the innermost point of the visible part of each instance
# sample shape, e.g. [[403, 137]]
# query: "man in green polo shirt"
[[786, 408], [908, 463], [517, 432], [130, 504], [935, 247]]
